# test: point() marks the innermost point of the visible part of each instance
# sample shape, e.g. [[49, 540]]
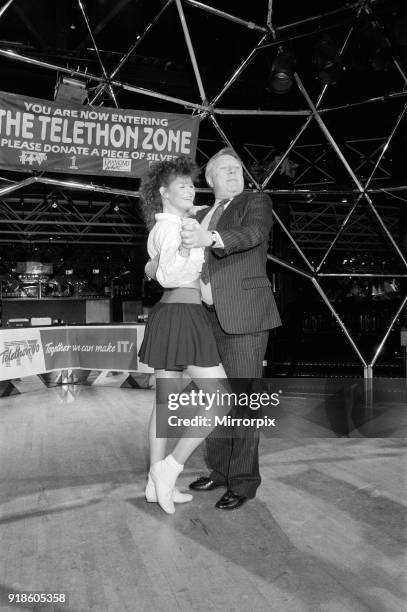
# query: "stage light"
[[68, 89], [382, 54], [374, 47], [116, 208], [54, 203], [328, 60], [400, 27], [282, 71]]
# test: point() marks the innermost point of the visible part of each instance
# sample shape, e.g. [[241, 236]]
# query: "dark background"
[[311, 196]]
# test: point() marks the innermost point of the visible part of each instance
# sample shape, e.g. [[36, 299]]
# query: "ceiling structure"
[[155, 55], [329, 154]]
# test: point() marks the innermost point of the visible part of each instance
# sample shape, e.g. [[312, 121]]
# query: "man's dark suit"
[[245, 311]]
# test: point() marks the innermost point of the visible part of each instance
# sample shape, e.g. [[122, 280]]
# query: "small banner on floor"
[[29, 351], [47, 136]]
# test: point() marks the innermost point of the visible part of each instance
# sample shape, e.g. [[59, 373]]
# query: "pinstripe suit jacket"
[[241, 289]]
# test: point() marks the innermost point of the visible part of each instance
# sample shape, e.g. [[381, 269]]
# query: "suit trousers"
[[234, 458]]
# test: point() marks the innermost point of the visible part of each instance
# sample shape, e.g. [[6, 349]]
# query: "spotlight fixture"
[[68, 89], [54, 203], [381, 49], [400, 27], [282, 71], [328, 60], [116, 208], [374, 47]]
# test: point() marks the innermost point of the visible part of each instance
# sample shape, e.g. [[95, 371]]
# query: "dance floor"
[[325, 532]]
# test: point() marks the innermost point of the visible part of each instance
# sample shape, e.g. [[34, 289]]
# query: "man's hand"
[[192, 211], [193, 235], [150, 268]]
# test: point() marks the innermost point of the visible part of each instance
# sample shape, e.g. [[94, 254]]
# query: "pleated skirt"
[[178, 335]]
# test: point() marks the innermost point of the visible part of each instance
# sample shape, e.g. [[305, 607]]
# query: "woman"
[[178, 336]]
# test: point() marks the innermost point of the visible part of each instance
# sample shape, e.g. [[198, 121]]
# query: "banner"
[[47, 136], [29, 351]]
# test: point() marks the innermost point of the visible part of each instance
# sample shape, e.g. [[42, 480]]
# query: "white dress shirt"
[[206, 289], [164, 240]]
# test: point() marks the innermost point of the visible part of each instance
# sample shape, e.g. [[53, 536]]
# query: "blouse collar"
[[169, 216]]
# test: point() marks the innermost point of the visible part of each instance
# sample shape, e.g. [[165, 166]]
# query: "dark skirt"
[[178, 335]]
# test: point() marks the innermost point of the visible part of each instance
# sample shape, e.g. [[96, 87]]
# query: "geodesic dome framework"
[[333, 172]]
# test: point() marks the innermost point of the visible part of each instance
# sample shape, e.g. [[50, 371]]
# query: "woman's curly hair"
[[161, 175]]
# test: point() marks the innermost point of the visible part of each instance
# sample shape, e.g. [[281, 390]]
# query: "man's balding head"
[[224, 173]]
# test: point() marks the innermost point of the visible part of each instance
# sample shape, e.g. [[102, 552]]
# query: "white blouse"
[[164, 240]]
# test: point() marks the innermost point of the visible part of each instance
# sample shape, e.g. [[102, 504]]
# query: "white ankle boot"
[[178, 497], [164, 475]]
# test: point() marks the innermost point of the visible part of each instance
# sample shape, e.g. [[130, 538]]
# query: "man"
[[237, 294]]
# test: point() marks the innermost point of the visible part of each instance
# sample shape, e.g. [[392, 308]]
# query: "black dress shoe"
[[205, 484], [230, 501]]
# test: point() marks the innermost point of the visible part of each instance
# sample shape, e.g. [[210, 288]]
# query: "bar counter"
[[69, 310]]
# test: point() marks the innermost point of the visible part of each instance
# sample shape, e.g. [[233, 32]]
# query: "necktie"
[[212, 225]]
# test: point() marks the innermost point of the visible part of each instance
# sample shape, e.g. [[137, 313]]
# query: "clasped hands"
[[193, 235]]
